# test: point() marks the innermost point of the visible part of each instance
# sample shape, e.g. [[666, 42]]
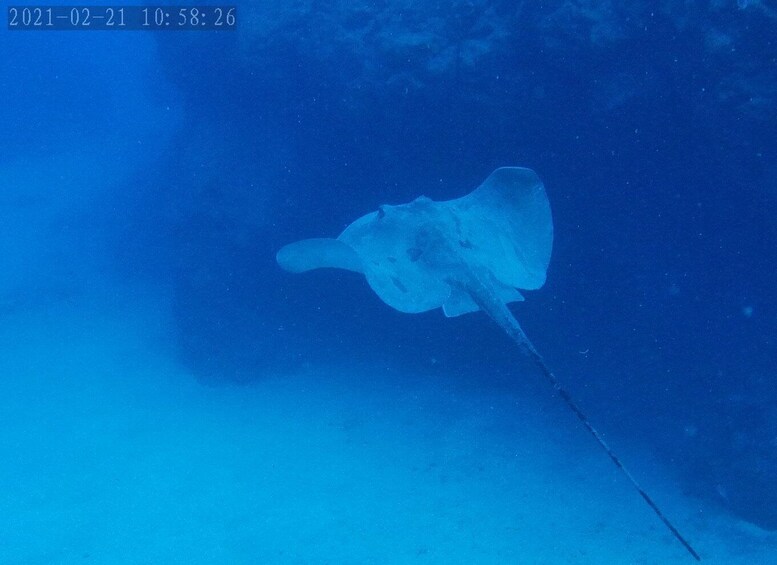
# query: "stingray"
[[474, 253]]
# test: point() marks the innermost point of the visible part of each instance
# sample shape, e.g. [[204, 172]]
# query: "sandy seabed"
[[113, 454]]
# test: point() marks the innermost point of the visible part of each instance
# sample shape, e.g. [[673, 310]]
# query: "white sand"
[[113, 454]]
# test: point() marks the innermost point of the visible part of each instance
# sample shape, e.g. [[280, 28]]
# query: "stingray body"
[[463, 255], [473, 253]]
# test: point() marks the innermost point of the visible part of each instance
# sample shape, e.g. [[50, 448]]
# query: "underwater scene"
[[330, 282]]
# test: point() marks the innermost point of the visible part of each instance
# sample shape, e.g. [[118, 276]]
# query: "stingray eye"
[[414, 253], [381, 213]]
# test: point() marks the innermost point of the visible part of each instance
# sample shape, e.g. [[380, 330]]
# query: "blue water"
[[169, 395]]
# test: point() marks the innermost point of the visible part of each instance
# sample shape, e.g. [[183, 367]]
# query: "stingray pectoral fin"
[[318, 253]]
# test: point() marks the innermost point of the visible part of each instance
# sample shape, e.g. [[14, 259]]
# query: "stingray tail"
[[501, 314], [564, 394]]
